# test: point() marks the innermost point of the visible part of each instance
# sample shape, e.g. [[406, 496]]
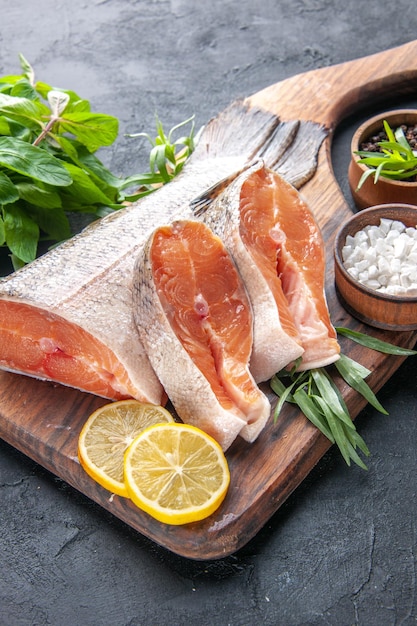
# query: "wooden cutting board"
[[43, 420]]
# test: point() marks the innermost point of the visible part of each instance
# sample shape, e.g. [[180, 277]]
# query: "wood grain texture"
[[43, 420]]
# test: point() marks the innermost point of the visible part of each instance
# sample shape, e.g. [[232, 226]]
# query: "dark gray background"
[[342, 550]]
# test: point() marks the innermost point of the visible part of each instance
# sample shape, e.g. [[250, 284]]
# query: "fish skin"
[[273, 347], [159, 320], [87, 280]]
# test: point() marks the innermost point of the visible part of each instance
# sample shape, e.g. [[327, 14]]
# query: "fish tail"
[[240, 130], [298, 162], [256, 135]]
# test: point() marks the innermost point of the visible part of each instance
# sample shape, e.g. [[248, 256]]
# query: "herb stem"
[[45, 130]]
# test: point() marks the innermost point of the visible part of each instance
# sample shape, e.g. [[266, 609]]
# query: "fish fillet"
[[277, 247], [301, 265], [244, 223], [195, 321], [84, 286]]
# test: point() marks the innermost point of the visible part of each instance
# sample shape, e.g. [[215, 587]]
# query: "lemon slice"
[[176, 473], [107, 434]]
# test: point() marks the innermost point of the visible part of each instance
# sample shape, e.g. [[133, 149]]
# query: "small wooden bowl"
[[385, 190], [369, 306]]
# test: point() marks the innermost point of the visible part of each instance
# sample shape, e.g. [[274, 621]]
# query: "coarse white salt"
[[383, 257], [411, 232]]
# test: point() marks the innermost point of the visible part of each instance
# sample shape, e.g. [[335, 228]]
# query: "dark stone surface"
[[342, 550]]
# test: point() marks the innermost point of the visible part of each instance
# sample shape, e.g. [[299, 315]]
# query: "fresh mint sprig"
[[320, 400], [49, 168]]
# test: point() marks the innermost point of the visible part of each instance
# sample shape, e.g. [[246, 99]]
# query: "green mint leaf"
[[77, 105], [7, 82], [20, 131], [104, 210], [42, 89], [53, 222], [95, 166], [43, 148], [83, 188], [93, 130], [2, 232], [23, 89], [25, 111], [4, 126], [39, 196], [16, 262], [32, 161], [21, 232], [91, 165], [8, 191], [67, 146], [374, 344], [76, 101]]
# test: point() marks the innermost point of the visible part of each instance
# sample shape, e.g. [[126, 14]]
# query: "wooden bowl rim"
[[379, 211]]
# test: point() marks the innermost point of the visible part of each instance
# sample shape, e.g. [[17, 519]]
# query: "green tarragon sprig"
[[318, 397], [395, 159], [48, 164], [168, 155]]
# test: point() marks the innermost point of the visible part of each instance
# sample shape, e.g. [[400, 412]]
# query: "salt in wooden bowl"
[[392, 312]]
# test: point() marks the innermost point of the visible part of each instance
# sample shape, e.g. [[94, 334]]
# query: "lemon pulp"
[[176, 473], [107, 434]]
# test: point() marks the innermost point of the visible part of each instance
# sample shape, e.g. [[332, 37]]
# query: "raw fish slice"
[[66, 290], [52, 349], [278, 248], [302, 266], [195, 321], [244, 218]]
